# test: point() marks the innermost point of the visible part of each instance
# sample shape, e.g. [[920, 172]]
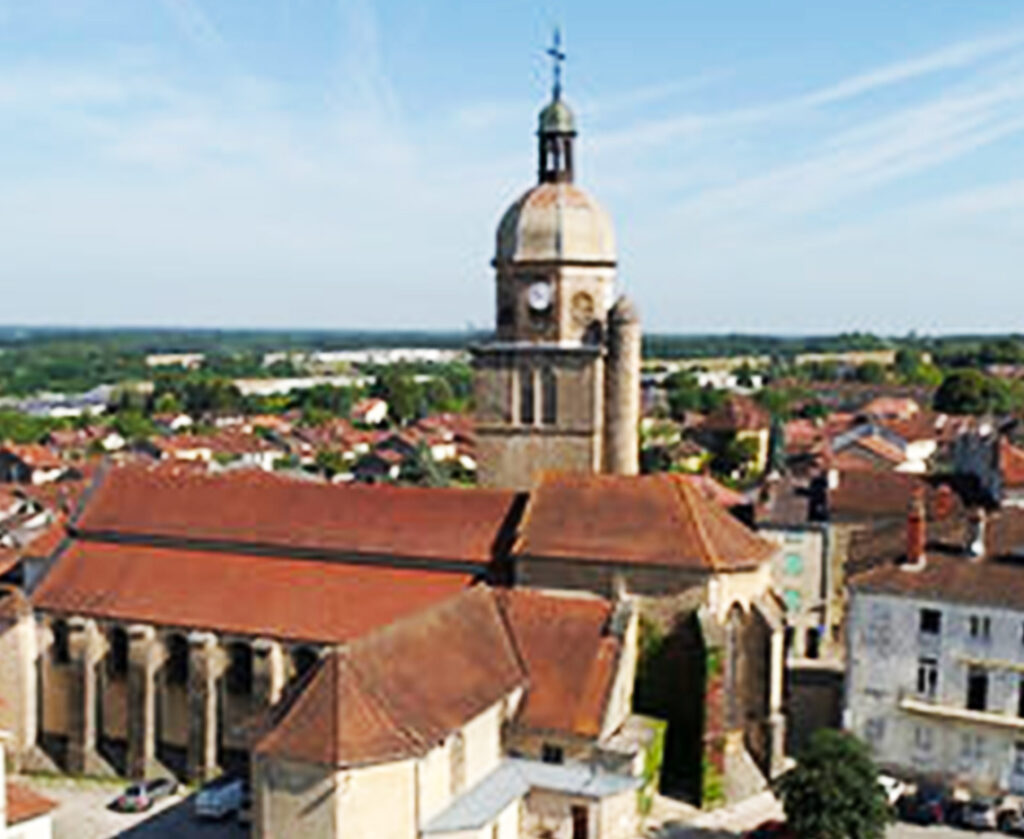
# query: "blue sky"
[[774, 167]]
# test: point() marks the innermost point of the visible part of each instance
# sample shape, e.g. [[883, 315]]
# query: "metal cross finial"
[[557, 57]]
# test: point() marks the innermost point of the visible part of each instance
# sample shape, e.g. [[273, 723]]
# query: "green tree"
[[833, 792], [330, 462], [167, 403], [133, 425], [399, 388], [870, 372], [967, 392]]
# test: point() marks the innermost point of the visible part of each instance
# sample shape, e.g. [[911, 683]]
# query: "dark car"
[[923, 807], [770, 830], [143, 795]]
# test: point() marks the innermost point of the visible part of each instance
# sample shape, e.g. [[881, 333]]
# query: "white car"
[[981, 815], [894, 788], [220, 798]]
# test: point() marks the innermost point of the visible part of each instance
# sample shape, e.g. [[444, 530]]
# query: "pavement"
[[83, 813]]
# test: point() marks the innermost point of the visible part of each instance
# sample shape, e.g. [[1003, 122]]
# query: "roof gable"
[[651, 519]]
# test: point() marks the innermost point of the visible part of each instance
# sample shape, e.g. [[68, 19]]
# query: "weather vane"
[[557, 57]]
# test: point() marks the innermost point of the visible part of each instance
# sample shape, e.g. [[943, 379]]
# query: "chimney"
[[917, 533], [976, 534]]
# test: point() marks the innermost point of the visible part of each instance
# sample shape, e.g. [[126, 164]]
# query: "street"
[[82, 814]]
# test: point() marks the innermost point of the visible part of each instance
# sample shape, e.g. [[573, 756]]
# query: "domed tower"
[[540, 384]]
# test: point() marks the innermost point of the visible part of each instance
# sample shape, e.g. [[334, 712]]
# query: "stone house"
[[935, 668]]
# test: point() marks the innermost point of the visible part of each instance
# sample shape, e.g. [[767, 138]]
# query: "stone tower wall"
[[622, 392]]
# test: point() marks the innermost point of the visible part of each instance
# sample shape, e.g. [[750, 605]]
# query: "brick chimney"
[[917, 532]]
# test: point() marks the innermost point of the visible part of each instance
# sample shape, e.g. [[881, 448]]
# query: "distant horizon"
[[57, 328]]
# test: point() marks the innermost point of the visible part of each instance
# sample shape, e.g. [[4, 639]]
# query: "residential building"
[[29, 463], [935, 668]]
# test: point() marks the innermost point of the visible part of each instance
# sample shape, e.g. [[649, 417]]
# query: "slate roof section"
[[259, 510], [952, 579], [276, 596], [400, 691], [570, 655], [512, 779], [658, 520]]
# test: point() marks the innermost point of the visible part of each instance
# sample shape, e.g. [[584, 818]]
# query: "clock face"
[[582, 308], [539, 296]]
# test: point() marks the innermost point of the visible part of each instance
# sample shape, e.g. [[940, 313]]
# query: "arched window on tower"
[[549, 396], [176, 668], [526, 412]]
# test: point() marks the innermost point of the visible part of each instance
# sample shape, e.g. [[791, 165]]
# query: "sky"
[[784, 167]]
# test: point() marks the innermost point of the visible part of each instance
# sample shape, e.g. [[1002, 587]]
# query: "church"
[[404, 662]]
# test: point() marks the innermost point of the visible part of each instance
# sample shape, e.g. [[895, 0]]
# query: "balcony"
[[914, 704]]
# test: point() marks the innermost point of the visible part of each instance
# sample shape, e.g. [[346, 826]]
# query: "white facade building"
[[935, 670]]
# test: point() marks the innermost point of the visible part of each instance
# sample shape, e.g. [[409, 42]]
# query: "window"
[[922, 738], [788, 635], [794, 565], [931, 621], [792, 599], [927, 677], [549, 397], [1020, 697], [980, 627], [972, 748], [874, 731], [526, 397], [812, 642], [977, 689], [551, 754], [1018, 758], [177, 660], [61, 643], [117, 656]]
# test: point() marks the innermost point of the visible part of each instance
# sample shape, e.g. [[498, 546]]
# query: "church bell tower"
[[558, 387]]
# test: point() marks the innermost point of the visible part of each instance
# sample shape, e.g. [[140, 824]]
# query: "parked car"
[[770, 830], [981, 814], [1012, 822], [894, 788], [220, 798], [143, 795], [923, 807]]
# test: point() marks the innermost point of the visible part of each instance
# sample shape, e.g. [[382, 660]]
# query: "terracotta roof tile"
[[652, 519], [253, 595], [1011, 463], [570, 656], [24, 804], [34, 455], [259, 508], [400, 691], [738, 413]]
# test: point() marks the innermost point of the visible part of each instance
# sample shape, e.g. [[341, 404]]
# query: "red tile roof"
[[33, 455], [24, 804], [402, 690], [252, 595], [570, 656], [652, 519], [1011, 463], [738, 413], [259, 508], [867, 494]]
